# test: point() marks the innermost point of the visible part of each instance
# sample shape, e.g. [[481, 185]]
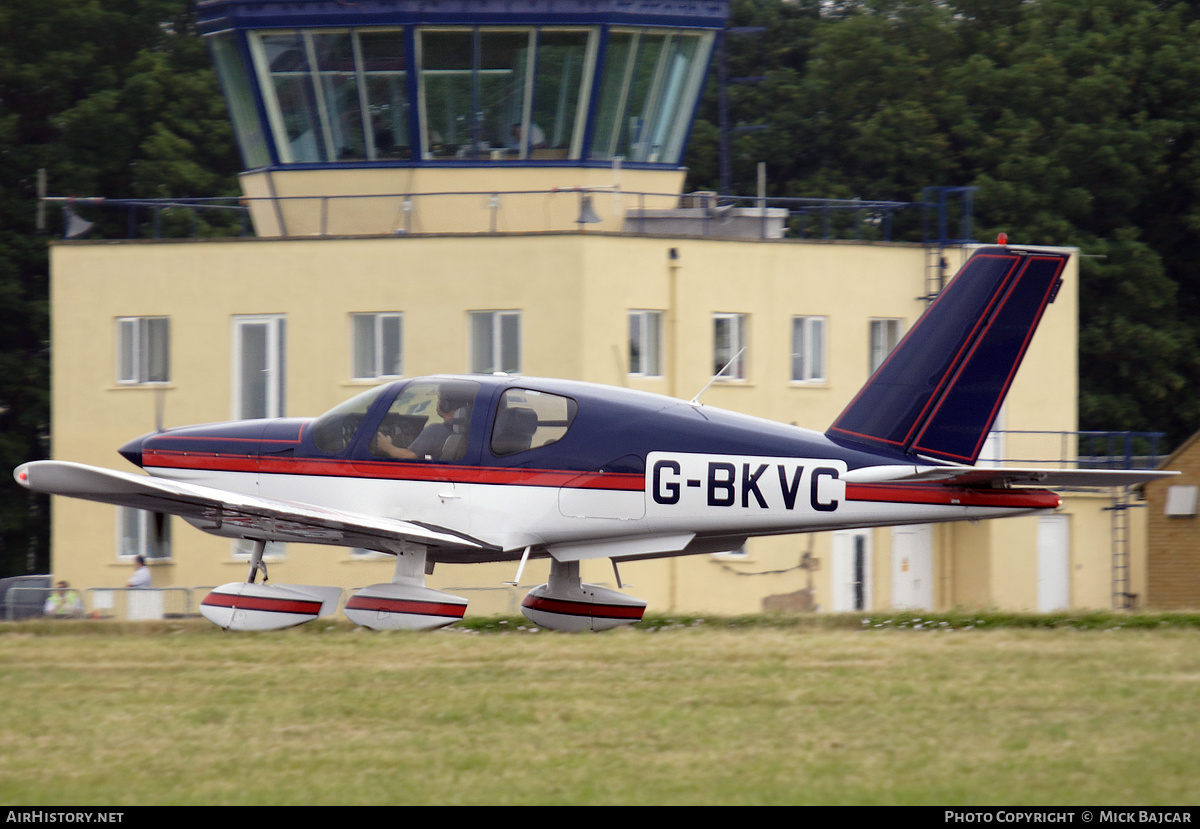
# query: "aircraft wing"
[[1001, 477], [233, 514]]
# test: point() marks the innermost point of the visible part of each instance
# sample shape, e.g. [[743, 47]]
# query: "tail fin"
[[939, 391]]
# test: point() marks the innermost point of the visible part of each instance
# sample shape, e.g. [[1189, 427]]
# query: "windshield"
[[333, 430]]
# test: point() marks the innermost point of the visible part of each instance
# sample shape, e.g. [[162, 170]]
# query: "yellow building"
[[400, 252]]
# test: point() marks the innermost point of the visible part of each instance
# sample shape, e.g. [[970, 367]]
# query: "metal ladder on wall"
[[1122, 598], [935, 271], [937, 222]]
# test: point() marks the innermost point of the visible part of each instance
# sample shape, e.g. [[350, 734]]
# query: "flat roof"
[[220, 15]]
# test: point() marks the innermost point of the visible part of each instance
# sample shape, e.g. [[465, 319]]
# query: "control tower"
[[383, 116]]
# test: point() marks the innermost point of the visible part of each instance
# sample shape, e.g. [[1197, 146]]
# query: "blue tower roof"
[[215, 15]]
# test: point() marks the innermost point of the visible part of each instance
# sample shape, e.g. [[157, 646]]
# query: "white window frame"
[[363, 554], [1181, 501], [882, 337], [243, 548], [136, 535], [740, 553], [737, 347], [497, 327], [991, 454], [371, 367], [143, 342], [847, 547], [645, 343], [275, 367], [808, 349]]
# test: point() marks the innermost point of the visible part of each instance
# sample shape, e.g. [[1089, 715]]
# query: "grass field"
[[895, 710]]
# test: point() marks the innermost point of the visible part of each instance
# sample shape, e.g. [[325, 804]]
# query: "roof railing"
[[500, 212], [1078, 450]]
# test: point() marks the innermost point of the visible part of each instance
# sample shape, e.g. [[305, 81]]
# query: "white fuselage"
[[684, 497]]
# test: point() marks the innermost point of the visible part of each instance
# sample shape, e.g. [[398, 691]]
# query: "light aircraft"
[[457, 469]]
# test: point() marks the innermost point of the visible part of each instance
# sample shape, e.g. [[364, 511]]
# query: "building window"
[[1181, 501], [143, 350], [850, 573], [385, 85], [517, 114], [740, 552], [334, 95], [645, 338], [563, 79], [485, 94], [142, 533], [363, 554], [808, 349], [885, 333], [243, 549], [495, 342], [650, 79], [378, 345], [239, 92], [258, 366], [729, 346]]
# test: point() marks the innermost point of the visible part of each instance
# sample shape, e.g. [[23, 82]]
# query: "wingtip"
[[21, 475]]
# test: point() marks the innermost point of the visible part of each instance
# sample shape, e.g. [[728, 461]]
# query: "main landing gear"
[[405, 603]]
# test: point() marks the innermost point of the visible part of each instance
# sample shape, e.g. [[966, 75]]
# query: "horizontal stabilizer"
[[232, 514], [940, 389]]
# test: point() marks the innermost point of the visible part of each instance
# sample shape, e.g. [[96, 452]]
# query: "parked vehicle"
[[22, 597]]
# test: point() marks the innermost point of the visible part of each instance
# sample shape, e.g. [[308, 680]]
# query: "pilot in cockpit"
[[433, 439]]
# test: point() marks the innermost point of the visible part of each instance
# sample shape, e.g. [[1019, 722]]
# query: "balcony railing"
[[1077, 450]]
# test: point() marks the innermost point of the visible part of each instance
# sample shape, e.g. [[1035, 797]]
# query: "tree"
[[110, 97], [1076, 122]]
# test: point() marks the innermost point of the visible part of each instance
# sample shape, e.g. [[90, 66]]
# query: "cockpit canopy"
[[436, 419], [333, 430]]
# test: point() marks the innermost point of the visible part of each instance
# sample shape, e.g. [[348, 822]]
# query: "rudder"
[[939, 391]]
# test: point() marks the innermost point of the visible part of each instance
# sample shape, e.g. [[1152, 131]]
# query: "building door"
[[258, 366], [912, 567], [851, 572], [1054, 563]]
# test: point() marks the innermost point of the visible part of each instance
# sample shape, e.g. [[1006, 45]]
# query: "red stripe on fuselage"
[[394, 470], [953, 496], [614, 481]]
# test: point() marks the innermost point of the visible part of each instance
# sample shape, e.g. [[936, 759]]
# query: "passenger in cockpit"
[[432, 441]]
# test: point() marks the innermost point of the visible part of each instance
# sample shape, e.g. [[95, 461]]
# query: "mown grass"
[[945, 709]]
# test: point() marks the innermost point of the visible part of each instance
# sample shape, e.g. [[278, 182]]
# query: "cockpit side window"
[[428, 420], [527, 419], [333, 430]]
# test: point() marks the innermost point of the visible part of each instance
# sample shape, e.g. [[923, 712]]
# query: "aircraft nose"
[[132, 451]]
